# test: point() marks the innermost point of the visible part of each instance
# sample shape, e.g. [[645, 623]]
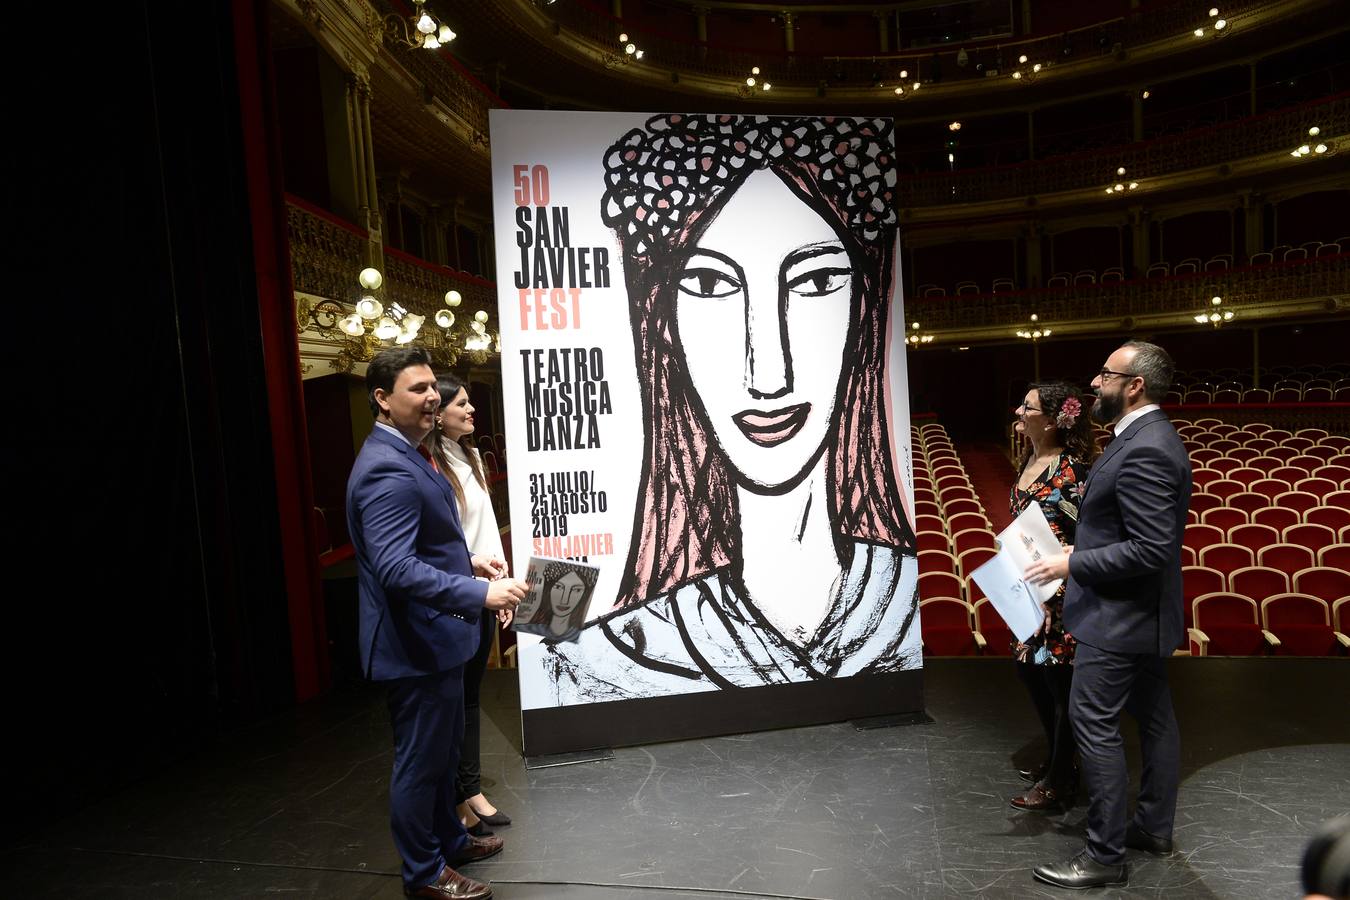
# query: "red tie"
[[426, 454]]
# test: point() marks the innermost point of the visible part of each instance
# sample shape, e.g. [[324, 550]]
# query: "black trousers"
[[469, 781], [1104, 683], [1049, 689]]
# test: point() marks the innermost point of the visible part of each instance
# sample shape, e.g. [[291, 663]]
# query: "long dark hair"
[[1074, 436], [449, 387]]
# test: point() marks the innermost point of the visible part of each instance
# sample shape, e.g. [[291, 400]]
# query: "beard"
[[1107, 408]]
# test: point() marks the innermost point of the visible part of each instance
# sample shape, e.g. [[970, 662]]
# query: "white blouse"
[[475, 513]]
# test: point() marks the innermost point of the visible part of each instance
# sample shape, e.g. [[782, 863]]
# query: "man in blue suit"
[[1123, 607], [420, 605]]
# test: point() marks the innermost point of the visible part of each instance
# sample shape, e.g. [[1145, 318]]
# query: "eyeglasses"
[[1107, 374], [1026, 408]]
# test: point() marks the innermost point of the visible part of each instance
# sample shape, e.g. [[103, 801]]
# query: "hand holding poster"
[[1027, 540], [560, 593]]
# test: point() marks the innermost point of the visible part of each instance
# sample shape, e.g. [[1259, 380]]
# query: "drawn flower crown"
[[657, 177], [1069, 411]]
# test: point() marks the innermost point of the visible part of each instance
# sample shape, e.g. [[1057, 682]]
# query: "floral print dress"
[[1061, 480]]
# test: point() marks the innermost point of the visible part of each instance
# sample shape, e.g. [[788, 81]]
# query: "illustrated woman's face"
[[565, 594], [456, 417], [762, 310]]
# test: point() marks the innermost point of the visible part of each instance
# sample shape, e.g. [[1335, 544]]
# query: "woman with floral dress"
[[1059, 450]]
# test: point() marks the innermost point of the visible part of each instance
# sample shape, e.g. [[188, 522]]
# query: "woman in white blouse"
[[452, 449]]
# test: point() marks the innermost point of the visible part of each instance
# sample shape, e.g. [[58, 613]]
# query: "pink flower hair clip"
[[1069, 411]]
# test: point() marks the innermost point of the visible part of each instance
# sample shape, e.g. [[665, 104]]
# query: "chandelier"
[[418, 30], [1216, 315]]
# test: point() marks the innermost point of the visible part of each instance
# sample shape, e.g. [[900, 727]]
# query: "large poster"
[[704, 375]]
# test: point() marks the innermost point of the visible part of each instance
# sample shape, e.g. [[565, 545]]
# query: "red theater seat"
[[1299, 500], [1302, 624], [1266, 464], [1224, 517], [961, 521], [931, 542], [971, 539], [1197, 581], [962, 505], [1337, 556], [1276, 517], [1271, 486], [1224, 488], [1227, 624], [945, 625], [1247, 501], [1200, 501], [1227, 558], [1333, 472], [972, 559], [998, 639], [1312, 536], [1203, 456], [1338, 498], [1197, 537], [1333, 517], [936, 561], [1288, 558], [1258, 582], [1201, 477], [1319, 487], [1322, 581], [1252, 536], [1246, 475], [939, 584]]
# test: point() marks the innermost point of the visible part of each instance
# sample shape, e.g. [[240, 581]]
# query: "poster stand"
[[577, 757]]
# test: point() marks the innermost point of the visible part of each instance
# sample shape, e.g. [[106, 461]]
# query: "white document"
[[1027, 540]]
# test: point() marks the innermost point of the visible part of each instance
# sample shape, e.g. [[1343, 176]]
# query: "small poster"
[[560, 592], [1028, 539]]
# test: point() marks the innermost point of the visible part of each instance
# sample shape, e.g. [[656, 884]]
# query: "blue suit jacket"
[[1124, 591], [420, 603]]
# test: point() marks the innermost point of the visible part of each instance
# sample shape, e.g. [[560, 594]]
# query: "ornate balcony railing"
[[1321, 280], [326, 255], [1281, 130], [591, 21]]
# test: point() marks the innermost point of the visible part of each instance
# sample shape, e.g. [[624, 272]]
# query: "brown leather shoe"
[[1039, 798], [453, 886], [477, 848]]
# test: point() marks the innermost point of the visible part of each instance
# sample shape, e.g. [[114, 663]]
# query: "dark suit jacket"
[[420, 603], [1124, 591]]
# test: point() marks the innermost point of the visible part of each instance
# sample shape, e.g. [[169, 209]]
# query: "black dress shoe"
[[450, 885], [478, 829], [476, 849], [1137, 838], [1081, 872], [1034, 774]]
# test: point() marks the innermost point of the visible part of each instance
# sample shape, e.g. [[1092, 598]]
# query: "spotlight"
[[904, 73], [954, 126], [1221, 24], [1022, 58]]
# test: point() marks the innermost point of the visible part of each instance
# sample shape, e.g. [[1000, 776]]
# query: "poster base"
[[624, 723], [577, 757], [913, 718]]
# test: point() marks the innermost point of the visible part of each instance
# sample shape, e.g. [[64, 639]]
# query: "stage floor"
[[297, 806]]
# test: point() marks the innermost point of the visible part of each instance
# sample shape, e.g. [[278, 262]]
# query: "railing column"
[[1139, 241], [789, 39], [1254, 224], [883, 32], [1256, 357], [1031, 134], [1137, 113]]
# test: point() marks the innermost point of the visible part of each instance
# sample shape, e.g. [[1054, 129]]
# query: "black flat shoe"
[[478, 829], [1081, 872], [496, 820]]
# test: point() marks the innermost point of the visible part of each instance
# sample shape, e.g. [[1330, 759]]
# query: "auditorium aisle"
[[990, 475]]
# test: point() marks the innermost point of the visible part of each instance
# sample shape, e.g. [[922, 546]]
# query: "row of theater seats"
[[954, 536], [492, 450], [1287, 393], [1190, 266], [1266, 553]]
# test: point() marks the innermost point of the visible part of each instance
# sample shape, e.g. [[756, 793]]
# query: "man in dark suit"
[[1123, 607], [419, 609]]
